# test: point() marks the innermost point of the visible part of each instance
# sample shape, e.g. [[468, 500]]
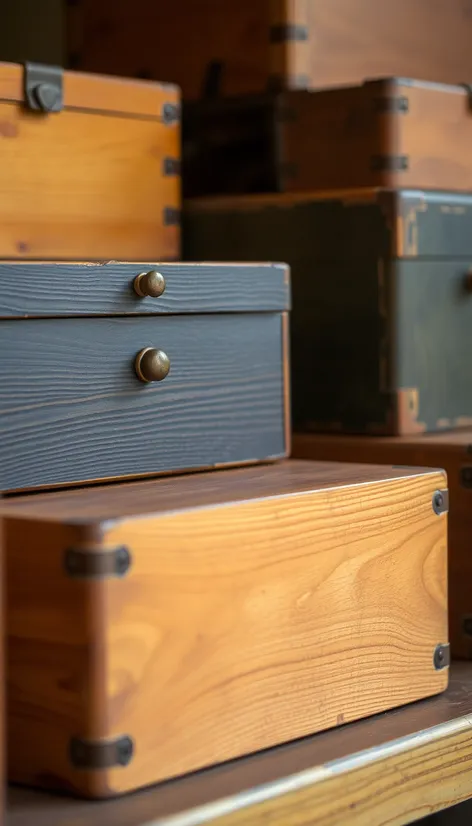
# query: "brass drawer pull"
[[152, 365], [150, 284]]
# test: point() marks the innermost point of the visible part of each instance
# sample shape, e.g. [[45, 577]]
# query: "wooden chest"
[[98, 382], [158, 627], [451, 451], [382, 302], [239, 46], [383, 133], [89, 166]]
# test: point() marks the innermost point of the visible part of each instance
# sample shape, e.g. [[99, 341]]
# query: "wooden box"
[[452, 451], [383, 133], [98, 382], [382, 304], [239, 46], [158, 627], [89, 166]]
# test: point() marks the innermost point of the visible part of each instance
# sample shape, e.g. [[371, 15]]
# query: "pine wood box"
[[90, 166], [99, 382], [382, 311], [451, 451], [158, 627], [392, 132], [239, 46]]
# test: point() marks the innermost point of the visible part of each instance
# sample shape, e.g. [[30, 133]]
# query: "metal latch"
[[43, 87]]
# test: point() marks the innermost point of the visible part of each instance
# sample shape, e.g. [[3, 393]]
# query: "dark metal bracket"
[[95, 755], [441, 501], [389, 163], [89, 564], [43, 87], [442, 657]]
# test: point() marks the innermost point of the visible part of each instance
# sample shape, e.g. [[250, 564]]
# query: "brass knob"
[[152, 365], [150, 283]]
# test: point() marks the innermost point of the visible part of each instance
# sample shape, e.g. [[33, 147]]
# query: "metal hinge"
[[43, 87], [90, 564], [90, 754], [389, 163]]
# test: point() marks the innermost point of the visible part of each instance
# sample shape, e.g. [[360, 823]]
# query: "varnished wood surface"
[[44, 288], [346, 42], [239, 625], [86, 184], [97, 92], [73, 410], [160, 496], [390, 769], [451, 451]]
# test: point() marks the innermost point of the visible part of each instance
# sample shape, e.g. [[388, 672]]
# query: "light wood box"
[[90, 166], [156, 628]]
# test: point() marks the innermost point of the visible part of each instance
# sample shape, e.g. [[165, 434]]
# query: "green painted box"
[[381, 326]]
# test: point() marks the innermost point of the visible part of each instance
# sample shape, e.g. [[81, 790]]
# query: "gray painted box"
[[381, 328], [73, 408]]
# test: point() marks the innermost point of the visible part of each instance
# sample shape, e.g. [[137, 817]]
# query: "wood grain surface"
[[48, 289], [237, 627], [73, 410], [394, 793], [85, 184], [345, 42], [451, 451]]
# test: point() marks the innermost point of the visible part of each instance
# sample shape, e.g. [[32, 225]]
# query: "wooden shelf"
[[393, 768]]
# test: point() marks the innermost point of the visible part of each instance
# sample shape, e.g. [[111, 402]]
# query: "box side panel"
[[422, 451], [434, 224], [80, 185], [56, 659], [433, 335], [236, 631]]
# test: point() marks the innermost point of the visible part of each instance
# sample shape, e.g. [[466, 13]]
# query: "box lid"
[[336, 225], [90, 92], [31, 289]]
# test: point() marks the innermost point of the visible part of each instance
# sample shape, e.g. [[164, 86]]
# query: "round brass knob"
[[150, 284], [152, 365]]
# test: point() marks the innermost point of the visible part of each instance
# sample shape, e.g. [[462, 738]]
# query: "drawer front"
[[56, 289], [72, 408]]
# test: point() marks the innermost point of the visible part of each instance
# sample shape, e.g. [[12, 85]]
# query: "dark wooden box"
[[72, 407], [451, 451], [243, 46], [159, 627], [383, 133], [382, 307], [89, 167]]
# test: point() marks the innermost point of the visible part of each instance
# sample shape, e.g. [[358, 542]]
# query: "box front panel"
[[433, 318], [243, 627], [80, 185], [73, 408]]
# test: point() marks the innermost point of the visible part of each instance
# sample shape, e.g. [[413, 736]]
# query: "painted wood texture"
[[373, 316], [46, 289], [238, 626], [84, 184], [341, 42], [317, 775], [451, 451], [73, 410]]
